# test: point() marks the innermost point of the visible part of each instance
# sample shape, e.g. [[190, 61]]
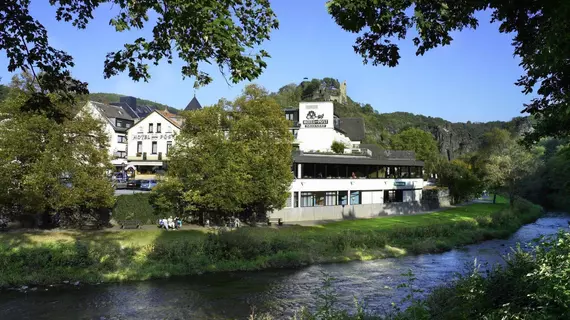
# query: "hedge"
[[134, 206]]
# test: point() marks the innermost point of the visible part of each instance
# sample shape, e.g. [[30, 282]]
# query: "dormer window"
[[150, 128]]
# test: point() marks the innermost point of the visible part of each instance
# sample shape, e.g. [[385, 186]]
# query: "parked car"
[[148, 184], [134, 184]]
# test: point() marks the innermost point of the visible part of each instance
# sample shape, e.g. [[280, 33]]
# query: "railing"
[[148, 157]]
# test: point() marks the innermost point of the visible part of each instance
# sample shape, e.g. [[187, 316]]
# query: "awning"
[[146, 163]]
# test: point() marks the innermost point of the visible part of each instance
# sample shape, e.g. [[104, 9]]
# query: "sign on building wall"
[[314, 120], [142, 136], [399, 183], [316, 114]]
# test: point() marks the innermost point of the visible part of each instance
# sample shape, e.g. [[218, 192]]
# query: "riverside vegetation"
[[40, 258]]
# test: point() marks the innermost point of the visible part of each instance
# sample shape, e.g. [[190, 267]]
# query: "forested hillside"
[[454, 139], [114, 97]]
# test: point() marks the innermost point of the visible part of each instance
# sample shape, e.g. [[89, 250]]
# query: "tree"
[[421, 142], [541, 37], [232, 159], [338, 147], [224, 33], [508, 168], [52, 167], [458, 176], [288, 96]]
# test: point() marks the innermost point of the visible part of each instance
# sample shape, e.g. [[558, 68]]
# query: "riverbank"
[[42, 258]]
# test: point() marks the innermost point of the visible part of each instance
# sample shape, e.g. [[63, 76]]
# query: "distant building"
[[117, 118], [342, 96], [116, 122], [150, 139]]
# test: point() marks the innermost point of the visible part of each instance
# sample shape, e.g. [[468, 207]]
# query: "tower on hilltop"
[[342, 97]]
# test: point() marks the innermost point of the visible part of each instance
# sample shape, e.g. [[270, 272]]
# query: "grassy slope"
[[51, 257]]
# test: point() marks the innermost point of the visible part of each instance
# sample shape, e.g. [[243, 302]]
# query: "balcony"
[[144, 156]]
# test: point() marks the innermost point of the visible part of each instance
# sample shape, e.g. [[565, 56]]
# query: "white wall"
[[139, 132], [318, 134], [114, 145]]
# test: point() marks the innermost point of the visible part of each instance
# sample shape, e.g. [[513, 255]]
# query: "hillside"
[[454, 139], [114, 97]]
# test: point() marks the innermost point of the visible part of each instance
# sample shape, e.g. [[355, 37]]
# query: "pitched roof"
[[353, 127], [193, 105], [110, 111], [171, 117]]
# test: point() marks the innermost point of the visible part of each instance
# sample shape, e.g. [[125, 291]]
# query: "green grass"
[[52, 257]]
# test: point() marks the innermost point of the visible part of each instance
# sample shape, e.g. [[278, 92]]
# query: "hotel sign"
[[315, 121], [165, 136]]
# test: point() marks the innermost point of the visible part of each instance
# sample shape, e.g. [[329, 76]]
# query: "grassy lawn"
[[95, 256], [452, 215]]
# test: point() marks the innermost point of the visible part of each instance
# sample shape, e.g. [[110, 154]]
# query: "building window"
[[128, 125], [121, 154], [289, 116], [415, 172], [296, 197], [307, 199], [121, 139], [169, 129], [393, 196], [342, 198], [168, 146], [154, 147], [158, 127], [150, 128], [330, 198], [139, 147], [355, 197]]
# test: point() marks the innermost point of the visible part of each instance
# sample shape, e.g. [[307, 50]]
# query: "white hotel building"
[[364, 181]]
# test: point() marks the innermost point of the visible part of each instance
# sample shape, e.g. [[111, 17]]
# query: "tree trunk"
[[494, 198]]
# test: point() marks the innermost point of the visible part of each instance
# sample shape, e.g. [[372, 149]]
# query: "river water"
[[278, 292]]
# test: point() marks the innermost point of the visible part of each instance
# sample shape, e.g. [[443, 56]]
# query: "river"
[[279, 292]]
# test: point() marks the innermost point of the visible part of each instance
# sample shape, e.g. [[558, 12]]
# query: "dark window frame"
[[154, 147]]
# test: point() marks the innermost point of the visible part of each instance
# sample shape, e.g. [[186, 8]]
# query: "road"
[[119, 192]]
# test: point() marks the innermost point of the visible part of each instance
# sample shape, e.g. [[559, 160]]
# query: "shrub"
[[134, 206], [337, 147]]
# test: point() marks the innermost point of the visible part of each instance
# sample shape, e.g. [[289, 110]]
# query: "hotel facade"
[[362, 181]]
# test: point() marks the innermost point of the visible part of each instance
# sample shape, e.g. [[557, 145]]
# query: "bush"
[[134, 207], [337, 147]]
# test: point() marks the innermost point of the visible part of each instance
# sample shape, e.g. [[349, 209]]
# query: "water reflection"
[[280, 292]]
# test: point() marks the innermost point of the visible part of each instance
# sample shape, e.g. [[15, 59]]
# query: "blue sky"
[[473, 79]]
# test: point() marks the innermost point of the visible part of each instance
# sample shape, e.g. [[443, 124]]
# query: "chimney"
[[131, 101]]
